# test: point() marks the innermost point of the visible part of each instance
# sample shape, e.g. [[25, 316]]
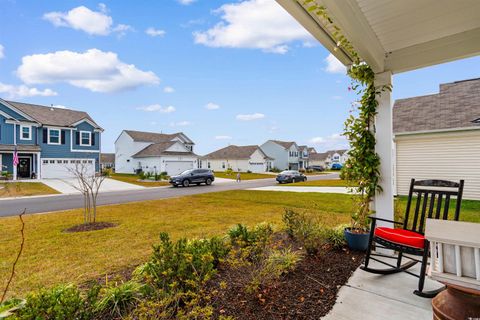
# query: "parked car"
[[336, 166], [193, 176], [316, 168], [289, 176]]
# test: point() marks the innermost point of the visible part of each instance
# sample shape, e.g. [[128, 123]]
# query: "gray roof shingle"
[[457, 105], [285, 144], [234, 152], [52, 116], [159, 149], [141, 136]]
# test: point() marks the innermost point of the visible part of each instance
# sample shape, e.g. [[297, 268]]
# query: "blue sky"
[[223, 72]]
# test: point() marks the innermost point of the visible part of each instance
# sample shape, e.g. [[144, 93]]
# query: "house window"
[[208, 165], [45, 161], [25, 133], [223, 165], [53, 136], [85, 138]]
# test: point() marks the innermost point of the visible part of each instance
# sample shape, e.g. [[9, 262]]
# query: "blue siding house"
[[49, 141]]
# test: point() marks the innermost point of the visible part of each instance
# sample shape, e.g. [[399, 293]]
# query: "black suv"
[[193, 176]]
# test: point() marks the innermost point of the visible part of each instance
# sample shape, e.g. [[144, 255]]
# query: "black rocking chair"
[[433, 201]]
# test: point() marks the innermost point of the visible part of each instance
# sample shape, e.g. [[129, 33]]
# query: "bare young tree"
[[88, 183]]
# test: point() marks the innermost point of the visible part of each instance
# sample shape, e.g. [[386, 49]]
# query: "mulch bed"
[[90, 227], [309, 292]]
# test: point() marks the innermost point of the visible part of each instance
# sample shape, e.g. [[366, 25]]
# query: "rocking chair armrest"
[[374, 217]]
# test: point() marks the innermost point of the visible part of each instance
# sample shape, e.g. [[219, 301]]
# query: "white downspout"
[[15, 144]]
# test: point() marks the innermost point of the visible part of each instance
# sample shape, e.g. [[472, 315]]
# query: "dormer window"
[[85, 138], [25, 133]]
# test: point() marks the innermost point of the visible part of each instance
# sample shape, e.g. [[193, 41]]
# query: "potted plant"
[[361, 169]]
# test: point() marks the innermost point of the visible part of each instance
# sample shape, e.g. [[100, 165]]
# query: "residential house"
[[107, 161], [437, 136], [50, 142], [154, 152], [311, 150], [285, 154], [238, 158], [303, 158], [318, 159]]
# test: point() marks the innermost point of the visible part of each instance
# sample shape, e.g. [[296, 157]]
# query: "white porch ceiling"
[[398, 35]]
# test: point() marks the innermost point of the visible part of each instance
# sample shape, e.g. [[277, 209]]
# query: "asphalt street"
[[11, 207]]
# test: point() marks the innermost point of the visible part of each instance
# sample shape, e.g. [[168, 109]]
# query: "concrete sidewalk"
[[341, 190], [66, 186], [369, 296]]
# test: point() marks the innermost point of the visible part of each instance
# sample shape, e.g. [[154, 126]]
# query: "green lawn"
[[319, 183], [21, 189], [244, 175], [51, 256], [135, 179]]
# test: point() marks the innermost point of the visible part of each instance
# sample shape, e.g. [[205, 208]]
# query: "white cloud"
[[253, 24], [168, 89], [21, 91], [93, 69], [155, 32], [223, 138], [180, 124], [157, 108], [250, 117], [186, 2], [333, 141], [82, 18], [334, 65], [2, 52], [59, 106], [212, 106]]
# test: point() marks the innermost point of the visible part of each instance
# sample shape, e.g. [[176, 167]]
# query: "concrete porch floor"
[[369, 296]]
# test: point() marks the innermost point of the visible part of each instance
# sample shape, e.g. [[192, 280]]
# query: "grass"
[[244, 175], [20, 189], [51, 256], [135, 179], [319, 183]]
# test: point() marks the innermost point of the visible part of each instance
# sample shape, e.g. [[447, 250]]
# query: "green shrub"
[[260, 234], [60, 302], [335, 236], [107, 172], [182, 265], [117, 299], [304, 228], [276, 264], [229, 171], [142, 175], [275, 169]]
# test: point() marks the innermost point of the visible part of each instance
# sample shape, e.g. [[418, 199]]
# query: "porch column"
[[383, 203], [38, 166]]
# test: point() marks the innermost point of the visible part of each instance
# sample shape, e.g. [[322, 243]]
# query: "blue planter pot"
[[356, 241]]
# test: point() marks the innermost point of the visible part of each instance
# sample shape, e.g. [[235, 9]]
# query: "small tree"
[[88, 184]]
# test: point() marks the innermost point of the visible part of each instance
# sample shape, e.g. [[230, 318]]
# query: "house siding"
[[12, 113], [6, 131], [7, 161], [450, 156]]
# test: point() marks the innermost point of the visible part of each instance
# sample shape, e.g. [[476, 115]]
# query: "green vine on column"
[[362, 168]]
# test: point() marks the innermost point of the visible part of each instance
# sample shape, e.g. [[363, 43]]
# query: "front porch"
[[28, 166]]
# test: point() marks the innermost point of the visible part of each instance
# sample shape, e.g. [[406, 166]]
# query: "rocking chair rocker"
[[410, 238]]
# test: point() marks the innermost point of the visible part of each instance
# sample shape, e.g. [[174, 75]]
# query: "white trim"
[[26, 123], [6, 115], [22, 126], [56, 127], [59, 136], [1, 164], [89, 139], [31, 162], [16, 110], [91, 151], [87, 121], [436, 131]]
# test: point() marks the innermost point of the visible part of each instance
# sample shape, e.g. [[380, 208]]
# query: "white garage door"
[[177, 167], [62, 168], [257, 167]]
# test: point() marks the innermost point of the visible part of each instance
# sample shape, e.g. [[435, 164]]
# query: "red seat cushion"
[[401, 236]]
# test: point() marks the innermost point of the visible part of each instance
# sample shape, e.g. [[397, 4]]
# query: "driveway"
[[67, 186]]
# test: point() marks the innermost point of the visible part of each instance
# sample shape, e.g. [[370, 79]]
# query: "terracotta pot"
[[456, 303]]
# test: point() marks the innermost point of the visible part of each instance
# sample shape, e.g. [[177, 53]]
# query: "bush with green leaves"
[[182, 265], [335, 236], [275, 170], [60, 302], [275, 264], [116, 300], [304, 228]]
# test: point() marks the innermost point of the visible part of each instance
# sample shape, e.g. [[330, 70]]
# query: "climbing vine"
[[362, 168]]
